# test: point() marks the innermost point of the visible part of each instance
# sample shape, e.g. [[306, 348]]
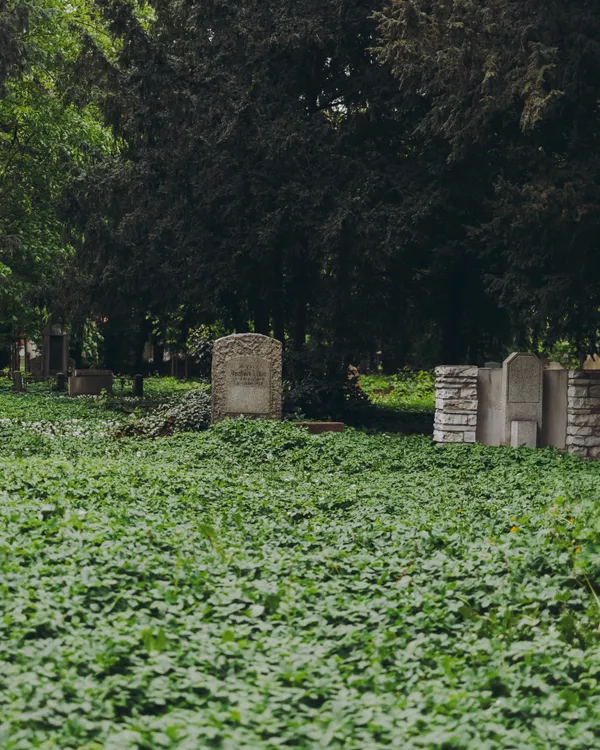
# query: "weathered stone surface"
[[447, 393], [468, 437], [578, 391], [456, 405], [584, 420], [455, 419], [522, 388], [583, 403], [246, 377], [586, 442], [579, 431], [523, 433], [90, 382], [450, 427], [456, 371], [441, 436]]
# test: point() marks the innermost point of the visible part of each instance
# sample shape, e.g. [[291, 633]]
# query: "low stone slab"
[[90, 382], [318, 428]]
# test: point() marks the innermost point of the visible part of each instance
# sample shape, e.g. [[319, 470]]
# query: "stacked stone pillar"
[[583, 413], [456, 404]]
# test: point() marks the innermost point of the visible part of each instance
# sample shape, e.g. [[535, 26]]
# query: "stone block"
[[579, 431], [469, 393], [451, 419], [456, 405], [441, 436], [576, 450], [456, 371], [90, 382], [469, 437], [447, 393], [449, 427], [583, 403], [523, 433], [472, 420], [587, 442], [584, 419], [594, 391], [578, 391]]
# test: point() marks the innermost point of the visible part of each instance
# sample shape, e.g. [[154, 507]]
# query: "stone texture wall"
[[583, 413], [455, 404]]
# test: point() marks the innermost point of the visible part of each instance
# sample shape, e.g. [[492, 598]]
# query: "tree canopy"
[[351, 175]]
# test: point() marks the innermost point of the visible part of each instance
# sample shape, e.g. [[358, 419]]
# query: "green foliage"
[[404, 391], [508, 126], [48, 129], [255, 586], [190, 414]]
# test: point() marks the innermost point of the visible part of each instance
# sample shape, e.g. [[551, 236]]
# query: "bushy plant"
[[190, 414], [321, 385]]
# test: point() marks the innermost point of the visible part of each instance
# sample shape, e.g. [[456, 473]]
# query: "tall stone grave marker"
[[522, 390], [55, 352], [246, 377]]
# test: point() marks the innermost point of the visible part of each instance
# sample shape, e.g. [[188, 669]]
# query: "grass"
[[253, 586]]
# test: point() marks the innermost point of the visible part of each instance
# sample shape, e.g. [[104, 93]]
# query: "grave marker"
[[522, 389], [246, 377]]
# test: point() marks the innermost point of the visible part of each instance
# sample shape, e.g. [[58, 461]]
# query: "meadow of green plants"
[[253, 586]]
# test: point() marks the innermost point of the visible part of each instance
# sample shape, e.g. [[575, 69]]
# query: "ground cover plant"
[[253, 586]]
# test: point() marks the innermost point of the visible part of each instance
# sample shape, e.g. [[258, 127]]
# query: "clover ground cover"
[[257, 587]]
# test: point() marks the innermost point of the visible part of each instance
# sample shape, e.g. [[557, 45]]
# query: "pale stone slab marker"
[[523, 434], [246, 377], [522, 390]]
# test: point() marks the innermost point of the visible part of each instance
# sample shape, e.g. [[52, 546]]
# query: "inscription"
[[251, 377], [248, 386]]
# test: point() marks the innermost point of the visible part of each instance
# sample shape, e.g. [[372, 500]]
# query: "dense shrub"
[[190, 414]]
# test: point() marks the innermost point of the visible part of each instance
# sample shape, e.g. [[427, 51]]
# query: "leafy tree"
[[511, 93], [46, 128], [262, 173]]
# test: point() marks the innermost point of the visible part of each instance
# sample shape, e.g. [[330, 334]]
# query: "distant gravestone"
[[17, 382], [522, 390], [246, 377], [55, 351]]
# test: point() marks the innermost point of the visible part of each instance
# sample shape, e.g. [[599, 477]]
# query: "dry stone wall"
[[456, 404], [583, 413]]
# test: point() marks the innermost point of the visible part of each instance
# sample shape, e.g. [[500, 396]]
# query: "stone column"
[[583, 413], [455, 404]]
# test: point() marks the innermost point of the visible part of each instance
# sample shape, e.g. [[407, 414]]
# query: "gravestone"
[[55, 352], [246, 377], [90, 382], [138, 386], [522, 390], [17, 381]]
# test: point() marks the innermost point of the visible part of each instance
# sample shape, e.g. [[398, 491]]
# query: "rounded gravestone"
[[246, 377]]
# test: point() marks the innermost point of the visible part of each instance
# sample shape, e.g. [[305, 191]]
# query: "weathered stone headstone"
[[522, 389], [246, 377], [55, 351], [138, 386], [17, 382], [90, 382]]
